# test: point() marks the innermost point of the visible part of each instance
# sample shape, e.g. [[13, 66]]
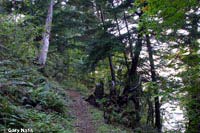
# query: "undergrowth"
[[102, 127], [31, 101]]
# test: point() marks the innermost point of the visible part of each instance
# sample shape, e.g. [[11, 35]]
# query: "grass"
[[100, 125]]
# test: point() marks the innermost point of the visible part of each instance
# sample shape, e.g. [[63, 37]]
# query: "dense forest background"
[[136, 61]]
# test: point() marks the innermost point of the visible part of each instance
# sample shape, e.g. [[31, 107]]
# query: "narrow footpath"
[[80, 109]]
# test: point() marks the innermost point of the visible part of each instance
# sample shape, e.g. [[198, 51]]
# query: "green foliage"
[[19, 81], [43, 122], [10, 115], [18, 38], [97, 117], [80, 45], [101, 47], [76, 84], [168, 13], [49, 99], [191, 101]]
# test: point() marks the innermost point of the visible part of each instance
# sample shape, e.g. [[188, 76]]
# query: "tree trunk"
[[124, 52], [112, 71], [135, 59], [138, 49], [129, 36], [150, 115], [153, 77], [118, 29], [193, 107], [134, 78], [46, 35]]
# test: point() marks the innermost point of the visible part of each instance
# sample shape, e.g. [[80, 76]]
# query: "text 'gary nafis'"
[[22, 130]]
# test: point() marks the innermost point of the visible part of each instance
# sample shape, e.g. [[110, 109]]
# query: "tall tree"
[[153, 78], [112, 70], [182, 18], [46, 35]]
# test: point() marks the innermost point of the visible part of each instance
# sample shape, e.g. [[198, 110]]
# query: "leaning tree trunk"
[[133, 85], [135, 59], [153, 77], [119, 32], [112, 71], [46, 35]]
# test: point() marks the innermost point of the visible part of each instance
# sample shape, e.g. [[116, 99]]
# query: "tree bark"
[[112, 71], [134, 78], [125, 57], [119, 32], [46, 35], [135, 59], [153, 77], [129, 36], [138, 49]]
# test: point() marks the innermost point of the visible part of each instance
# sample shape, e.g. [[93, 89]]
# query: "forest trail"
[[80, 109]]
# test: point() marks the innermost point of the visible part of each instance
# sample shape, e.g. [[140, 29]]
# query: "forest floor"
[[80, 109], [89, 119]]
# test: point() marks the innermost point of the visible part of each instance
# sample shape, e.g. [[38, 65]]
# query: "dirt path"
[[80, 109]]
